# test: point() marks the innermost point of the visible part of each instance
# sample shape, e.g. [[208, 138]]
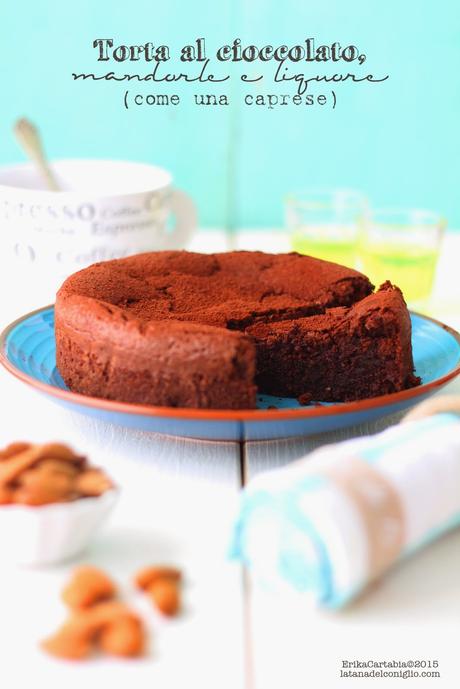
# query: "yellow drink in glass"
[[335, 251], [411, 269], [403, 247], [326, 223]]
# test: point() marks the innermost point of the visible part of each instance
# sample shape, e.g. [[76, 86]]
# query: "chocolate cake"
[[175, 328]]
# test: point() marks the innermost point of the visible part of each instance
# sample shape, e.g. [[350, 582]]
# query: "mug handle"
[[186, 214]]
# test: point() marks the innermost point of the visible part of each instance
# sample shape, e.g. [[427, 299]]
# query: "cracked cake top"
[[231, 290]]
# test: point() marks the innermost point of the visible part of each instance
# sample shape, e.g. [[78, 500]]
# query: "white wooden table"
[[178, 501]]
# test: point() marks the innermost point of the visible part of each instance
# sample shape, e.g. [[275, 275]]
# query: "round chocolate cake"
[[175, 328]]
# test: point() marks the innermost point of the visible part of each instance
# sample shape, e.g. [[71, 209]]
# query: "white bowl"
[[49, 534]]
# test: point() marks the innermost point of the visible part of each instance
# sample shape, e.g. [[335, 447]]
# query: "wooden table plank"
[[269, 454], [177, 503], [411, 615]]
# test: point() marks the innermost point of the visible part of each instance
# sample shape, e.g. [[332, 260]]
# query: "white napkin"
[[331, 523]]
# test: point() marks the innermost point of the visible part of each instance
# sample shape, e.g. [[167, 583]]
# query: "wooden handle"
[[29, 138]]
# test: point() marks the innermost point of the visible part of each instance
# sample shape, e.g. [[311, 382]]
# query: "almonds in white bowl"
[[51, 502]]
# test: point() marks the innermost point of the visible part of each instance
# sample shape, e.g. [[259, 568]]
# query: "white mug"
[[105, 209]]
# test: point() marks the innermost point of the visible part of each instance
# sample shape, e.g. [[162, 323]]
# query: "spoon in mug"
[[29, 138]]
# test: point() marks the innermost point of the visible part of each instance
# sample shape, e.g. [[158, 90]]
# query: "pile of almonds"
[[98, 621], [44, 474]]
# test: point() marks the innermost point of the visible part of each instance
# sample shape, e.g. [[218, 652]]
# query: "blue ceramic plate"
[[27, 350]]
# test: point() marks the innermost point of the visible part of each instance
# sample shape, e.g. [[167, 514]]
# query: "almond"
[[166, 596], [113, 625], [148, 575], [87, 586], [92, 482], [123, 637]]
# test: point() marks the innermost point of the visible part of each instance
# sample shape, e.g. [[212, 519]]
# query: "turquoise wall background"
[[398, 140]]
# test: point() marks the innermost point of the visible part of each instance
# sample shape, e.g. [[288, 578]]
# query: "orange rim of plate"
[[242, 415]]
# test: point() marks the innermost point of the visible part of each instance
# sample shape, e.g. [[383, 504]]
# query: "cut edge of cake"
[[345, 354]]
